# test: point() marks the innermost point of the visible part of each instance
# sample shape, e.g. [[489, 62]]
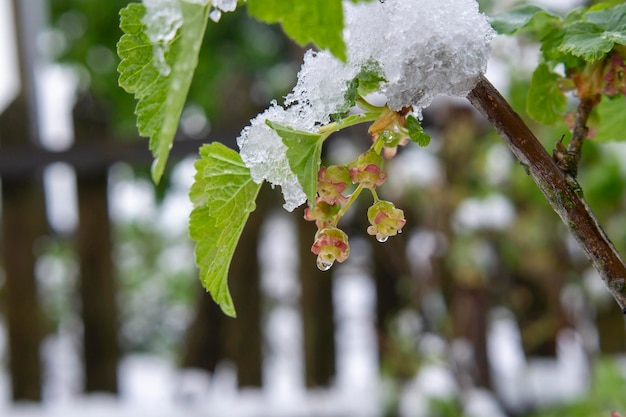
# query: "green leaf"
[[608, 18], [546, 102], [319, 21], [367, 81], [594, 37], [588, 41], [612, 124], [223, 196], [520, 18], [160, 97], [304, 152], [552, 53], [369, 78], [416, 132]]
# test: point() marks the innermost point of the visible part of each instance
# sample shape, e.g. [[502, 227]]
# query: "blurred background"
[[484, 306]]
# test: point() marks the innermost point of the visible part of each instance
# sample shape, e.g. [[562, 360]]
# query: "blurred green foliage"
[[243, 63]]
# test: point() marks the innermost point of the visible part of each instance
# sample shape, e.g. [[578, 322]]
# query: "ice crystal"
[[220, 6], [425, 48], [215, 15], [225, 5]]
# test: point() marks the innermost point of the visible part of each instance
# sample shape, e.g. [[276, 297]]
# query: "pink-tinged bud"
[[385, 219], [367, 170], [615, 77], [391, 140], [390, 151], [615, 414], [331, 244], [322, 213], [331, 182]]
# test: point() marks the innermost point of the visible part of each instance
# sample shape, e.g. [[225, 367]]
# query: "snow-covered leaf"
[[223, 196], [159, 75], [304, 152], [367, 81]]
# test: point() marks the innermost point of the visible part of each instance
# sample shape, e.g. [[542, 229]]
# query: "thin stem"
[[569, 164], [367, 106], [353, 120], [349, 203], [378, 145], [556, 186], [375, 195]]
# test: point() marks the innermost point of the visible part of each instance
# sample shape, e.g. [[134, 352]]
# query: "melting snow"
[[163, 18], [424, 47]]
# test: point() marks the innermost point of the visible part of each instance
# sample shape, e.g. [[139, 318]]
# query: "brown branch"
[[561, 192], [568, 162]]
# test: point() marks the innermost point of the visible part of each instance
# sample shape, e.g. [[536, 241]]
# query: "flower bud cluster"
[[333, 182]]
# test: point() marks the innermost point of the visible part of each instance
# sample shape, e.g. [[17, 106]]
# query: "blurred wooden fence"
[[464, 289]]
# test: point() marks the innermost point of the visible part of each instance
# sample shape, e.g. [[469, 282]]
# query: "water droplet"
[[382, 239], [323, 266], [400, 231]]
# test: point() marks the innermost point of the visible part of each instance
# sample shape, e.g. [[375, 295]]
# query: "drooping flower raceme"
[[424, 48]]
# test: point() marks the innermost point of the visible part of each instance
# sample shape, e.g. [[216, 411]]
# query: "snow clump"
[[425, 48]]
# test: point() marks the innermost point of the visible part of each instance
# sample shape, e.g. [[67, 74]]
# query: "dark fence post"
[[93, 241], [23, 216], [317, 312], [23, 222]]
